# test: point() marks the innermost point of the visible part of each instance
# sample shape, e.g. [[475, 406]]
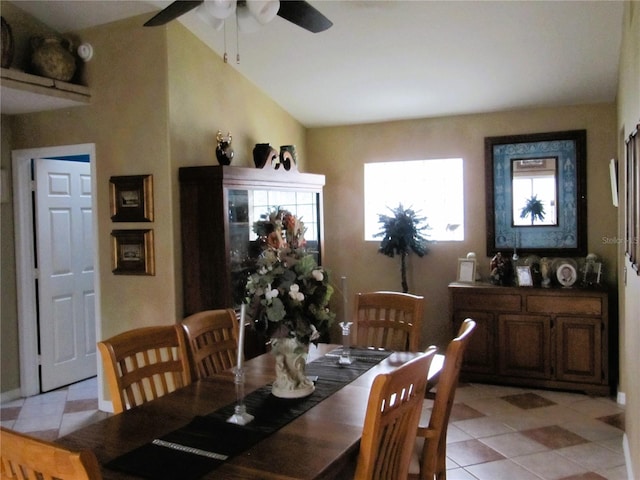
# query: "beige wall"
[[145, 120], [20, 23], [10, 377], [340, 152], [214, 96], [127, 122], [628, 119]]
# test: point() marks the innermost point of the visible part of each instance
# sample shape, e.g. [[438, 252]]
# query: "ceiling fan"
[[300, 13]]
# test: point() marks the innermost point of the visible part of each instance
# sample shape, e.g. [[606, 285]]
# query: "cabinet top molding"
[[252, 176]]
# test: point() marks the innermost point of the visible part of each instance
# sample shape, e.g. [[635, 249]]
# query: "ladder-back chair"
[[391, 420], [143, 364], [430, 453], [390, 320], [23, 457], [212, 338]]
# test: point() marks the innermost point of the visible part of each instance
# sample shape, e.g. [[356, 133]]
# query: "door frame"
[[24, 247]]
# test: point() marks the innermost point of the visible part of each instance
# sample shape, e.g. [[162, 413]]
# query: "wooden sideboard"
[[539, 337]]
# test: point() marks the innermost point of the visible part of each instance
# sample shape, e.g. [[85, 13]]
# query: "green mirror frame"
[[568, 238]]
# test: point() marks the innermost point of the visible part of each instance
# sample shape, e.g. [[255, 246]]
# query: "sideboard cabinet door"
[[525, 346], [579, 343]]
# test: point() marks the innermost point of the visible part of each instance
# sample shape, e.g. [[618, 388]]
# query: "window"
[[433, 188]]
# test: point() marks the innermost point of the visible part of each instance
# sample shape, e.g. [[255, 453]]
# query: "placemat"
[[207, 441]]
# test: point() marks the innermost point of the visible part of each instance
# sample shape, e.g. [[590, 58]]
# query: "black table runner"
[[207, 441]]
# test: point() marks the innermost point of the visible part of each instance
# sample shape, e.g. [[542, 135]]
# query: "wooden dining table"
[[322, 443]]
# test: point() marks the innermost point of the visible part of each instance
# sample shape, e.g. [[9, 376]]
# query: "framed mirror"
[[537, 193]]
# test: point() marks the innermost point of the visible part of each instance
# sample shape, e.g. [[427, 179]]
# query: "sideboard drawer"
[[495, 303], [564, 305]]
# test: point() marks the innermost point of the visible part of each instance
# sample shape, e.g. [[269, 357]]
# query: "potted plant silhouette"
[[402, 234], [533, 208]]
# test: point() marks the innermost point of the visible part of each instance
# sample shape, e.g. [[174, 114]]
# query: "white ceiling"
[[391, 60]]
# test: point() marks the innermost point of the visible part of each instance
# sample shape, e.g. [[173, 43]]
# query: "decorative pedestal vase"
[[291, 361]]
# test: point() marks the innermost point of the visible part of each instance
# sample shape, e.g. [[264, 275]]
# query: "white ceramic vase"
[[291, 361]]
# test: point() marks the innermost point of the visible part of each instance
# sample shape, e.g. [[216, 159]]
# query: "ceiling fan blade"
[[172, 12], [304, 15]]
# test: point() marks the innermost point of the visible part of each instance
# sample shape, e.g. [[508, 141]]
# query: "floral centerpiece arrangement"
[[288, 297], [288, 294]]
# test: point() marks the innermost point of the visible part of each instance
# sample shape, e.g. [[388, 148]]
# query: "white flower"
[[295, 293], [271, 293], [318, 275], [262, 271]]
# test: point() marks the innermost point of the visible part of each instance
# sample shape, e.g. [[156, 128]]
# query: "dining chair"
[[23, 457], [391, 420], [429, 459], [143, 364], [212, 341], [388, 320]]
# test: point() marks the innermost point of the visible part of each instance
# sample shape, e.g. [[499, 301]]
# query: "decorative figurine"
[[224, 152], [545, 271], [501, 270]]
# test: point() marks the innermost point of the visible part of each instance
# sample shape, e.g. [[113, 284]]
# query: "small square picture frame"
[[524, 276], [467, 270], [592, 272], [131, 198], [133, 252]]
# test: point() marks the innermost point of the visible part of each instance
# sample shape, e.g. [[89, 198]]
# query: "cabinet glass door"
[[245, 206]]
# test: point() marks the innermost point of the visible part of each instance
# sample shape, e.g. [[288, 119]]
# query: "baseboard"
[[105, 406], [621, 398], [10, 396], [627, 456]]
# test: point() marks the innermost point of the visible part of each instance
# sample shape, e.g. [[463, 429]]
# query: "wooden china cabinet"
[[539, 337], [218, 205]]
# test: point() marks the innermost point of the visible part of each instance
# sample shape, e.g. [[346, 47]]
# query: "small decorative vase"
[[224, 151], [52, 57], [291, 361], [264, 155], [288, 157]]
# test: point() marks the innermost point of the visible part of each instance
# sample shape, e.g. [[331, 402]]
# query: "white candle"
[[241, 338], [345, 299]]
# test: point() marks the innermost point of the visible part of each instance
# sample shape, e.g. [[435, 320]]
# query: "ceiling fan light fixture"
[[220, 9], [264, 10], [215, 23]]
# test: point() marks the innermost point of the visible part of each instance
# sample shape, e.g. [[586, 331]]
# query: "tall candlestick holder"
[[345, 355], [240, 415]]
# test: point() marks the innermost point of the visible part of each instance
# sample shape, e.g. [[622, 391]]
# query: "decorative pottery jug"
[[52, 57], [264, 154], [291, 362], [7, 44]]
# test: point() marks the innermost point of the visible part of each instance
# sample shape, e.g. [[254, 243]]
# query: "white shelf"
[[26, 93]]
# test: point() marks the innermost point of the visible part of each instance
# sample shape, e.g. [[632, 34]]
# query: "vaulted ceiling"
[[391, 60]]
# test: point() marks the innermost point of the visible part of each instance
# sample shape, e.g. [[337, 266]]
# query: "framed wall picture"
[[632, 244], [131, 198], [524, 276], [466, 269], [132, 252], [537, 193]]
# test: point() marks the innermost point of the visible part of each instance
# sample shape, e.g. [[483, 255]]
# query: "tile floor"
[[495, 432], [54, 414]]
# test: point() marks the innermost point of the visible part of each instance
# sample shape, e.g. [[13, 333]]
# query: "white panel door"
[[66, 304]]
